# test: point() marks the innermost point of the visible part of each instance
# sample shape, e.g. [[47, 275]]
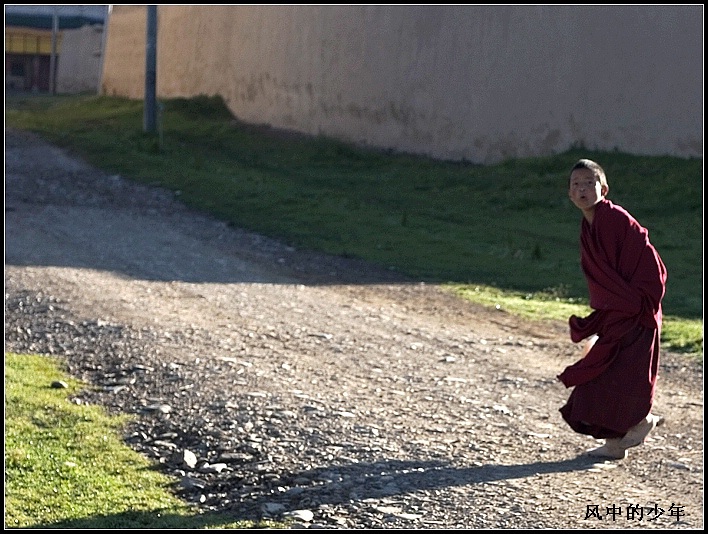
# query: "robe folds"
[[614, 383]]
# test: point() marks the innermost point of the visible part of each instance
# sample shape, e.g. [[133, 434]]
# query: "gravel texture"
[[276, 383]]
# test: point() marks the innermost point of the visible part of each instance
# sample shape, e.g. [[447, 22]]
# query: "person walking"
[[614, 382]]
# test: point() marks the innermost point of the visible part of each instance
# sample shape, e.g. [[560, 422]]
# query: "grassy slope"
[[505, 232]]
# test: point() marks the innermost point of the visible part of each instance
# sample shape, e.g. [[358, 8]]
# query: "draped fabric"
[[616, 380]]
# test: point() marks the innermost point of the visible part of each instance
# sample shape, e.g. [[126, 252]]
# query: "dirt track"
[[315, 387]]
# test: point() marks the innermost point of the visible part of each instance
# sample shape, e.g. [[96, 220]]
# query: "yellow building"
[[28, 57], [33, 41]]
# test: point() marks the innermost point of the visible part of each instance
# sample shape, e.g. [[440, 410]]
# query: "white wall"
[[79, 64], [481, 83]]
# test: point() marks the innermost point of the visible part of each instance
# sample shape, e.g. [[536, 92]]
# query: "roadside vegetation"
[[503, 235], [67, 467]]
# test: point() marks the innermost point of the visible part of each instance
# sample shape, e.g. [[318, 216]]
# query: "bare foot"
[[612, 450], [638, 433]]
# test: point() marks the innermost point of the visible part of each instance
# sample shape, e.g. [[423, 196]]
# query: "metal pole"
[[104, 39], [53, 57], [150, 111]]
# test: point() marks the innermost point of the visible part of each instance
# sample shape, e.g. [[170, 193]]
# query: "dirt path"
[[316, 387]]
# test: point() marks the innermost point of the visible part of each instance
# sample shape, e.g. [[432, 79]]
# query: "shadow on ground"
[[407, 476]]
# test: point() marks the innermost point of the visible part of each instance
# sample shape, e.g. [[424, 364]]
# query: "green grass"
[[66, 466], [505, 231]]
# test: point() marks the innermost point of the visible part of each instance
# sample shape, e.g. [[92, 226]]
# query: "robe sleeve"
[[626, 281]]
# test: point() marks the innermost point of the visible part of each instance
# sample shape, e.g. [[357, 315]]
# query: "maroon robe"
[[615, 381]]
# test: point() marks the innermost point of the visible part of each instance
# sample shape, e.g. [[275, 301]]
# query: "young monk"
[[615, 380]]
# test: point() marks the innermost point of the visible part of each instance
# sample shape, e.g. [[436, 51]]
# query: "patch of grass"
[[680, 334], [509, 227], [66, 467]]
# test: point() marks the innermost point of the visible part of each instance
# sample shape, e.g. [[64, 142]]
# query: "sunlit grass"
[[678, 334], [66, 466]]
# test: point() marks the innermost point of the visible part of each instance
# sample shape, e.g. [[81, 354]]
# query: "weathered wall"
[[482, 83], [79, 65]]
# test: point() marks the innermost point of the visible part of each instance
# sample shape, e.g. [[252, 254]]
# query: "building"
[[475, 82], [54, 48]]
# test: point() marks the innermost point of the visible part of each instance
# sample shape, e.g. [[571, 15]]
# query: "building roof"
[[42, 17]]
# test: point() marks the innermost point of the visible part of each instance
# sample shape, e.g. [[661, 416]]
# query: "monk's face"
[[585, 189]]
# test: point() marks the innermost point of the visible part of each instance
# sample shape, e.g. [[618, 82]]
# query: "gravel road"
[[276, 383]]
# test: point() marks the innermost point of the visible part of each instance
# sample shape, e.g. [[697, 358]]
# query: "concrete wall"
[[481, 83], [79, 65]]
